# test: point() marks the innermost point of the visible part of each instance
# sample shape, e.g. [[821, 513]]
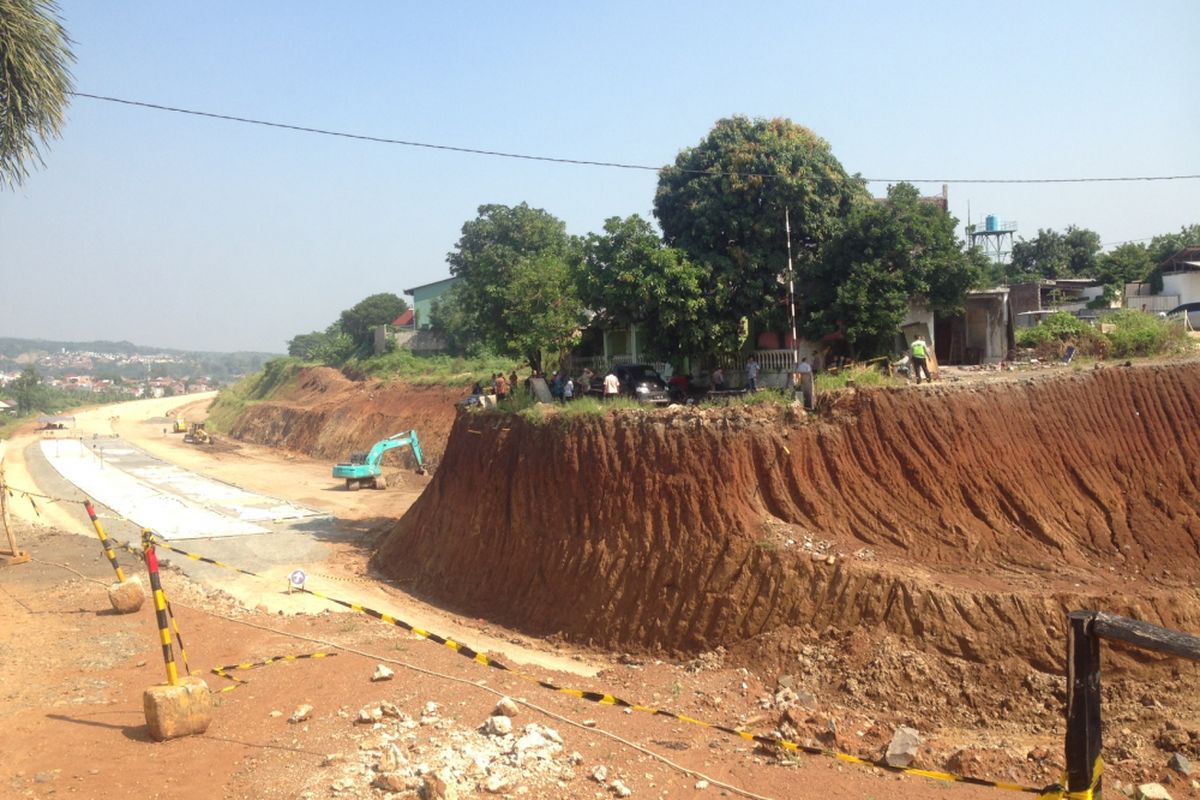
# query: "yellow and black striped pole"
[[179, 638], [108, 550], [160, 608]]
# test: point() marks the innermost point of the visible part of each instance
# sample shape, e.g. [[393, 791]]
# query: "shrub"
[[1059, 330], [1137, 333]]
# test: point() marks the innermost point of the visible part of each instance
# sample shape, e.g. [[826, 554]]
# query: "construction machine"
[[363, 469], [180, 425], [197, 435]]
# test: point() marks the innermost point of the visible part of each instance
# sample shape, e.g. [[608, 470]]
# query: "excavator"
[[363, 469]]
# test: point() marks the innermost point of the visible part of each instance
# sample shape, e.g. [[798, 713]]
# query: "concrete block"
[[127, 597], [180, 710]]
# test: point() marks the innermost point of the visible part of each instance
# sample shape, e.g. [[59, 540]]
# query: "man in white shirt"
[[611, 386]]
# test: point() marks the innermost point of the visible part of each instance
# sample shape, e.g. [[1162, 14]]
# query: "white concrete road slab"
[[173, 502]]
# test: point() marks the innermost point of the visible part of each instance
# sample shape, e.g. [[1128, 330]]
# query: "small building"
[[1073, 295], [423, 298], [982, 334]]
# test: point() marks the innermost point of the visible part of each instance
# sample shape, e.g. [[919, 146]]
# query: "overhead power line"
[[589, 162]]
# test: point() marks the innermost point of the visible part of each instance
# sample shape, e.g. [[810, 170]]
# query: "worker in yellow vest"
[[919, 353]]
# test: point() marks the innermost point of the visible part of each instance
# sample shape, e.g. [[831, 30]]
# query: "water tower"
[[994, 237]]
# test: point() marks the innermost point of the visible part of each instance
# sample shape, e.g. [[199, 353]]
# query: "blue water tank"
[[993, 222]]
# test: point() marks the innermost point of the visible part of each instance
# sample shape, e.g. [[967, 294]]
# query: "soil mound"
[[326, 415], [968, 521]]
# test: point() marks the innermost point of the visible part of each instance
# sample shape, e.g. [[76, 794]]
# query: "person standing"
[[569, 390], [718, 380], [752, 373], [501, 387], [919, 353], [611, 385], [805, 371]]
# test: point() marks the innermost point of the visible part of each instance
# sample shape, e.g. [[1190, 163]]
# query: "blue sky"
[[200, 234]]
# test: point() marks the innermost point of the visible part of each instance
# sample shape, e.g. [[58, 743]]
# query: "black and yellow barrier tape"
[[1052, 792], [224, 671]]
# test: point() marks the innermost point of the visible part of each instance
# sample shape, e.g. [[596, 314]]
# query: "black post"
[[1083, 703]]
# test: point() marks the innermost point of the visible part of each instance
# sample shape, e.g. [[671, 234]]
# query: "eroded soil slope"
[[326, 415], [967, 521]]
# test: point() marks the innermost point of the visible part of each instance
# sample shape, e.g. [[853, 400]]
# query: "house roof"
[[405, 320], [434, 283], [1185, 260]]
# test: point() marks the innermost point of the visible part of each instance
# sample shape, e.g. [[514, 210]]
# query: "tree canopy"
[[35, 80], [886, 254], [359, 320], [1051, 254], [723, 203], [498, 257], [27, 390], [631, 277]]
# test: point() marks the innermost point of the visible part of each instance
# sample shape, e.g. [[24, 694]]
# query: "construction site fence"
[[1086, 629]]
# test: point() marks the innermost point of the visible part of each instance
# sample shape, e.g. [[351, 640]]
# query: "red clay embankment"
[[326, 415], [967, 519]]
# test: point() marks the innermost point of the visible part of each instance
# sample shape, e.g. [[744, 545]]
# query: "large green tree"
[[1051, 255], [360, 320], [1124, 264], [887, 254], [511, 246], [723, 203], [35, 80], [27, 390], [632, 278]]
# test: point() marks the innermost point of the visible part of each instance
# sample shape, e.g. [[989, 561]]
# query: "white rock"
[[431, 709], [498, 726], [532, 740], [383, 673], [506, 708], [576, 758], [495, 784], [276, 714], [903, 749], [701, 785], [600, 774], [391, 710], [620, 789], [369, 714], [1152, 791], [301, 714]]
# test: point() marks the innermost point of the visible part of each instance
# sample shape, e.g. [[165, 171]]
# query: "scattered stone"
[[600, 774], [382, 673], [391, 710], [436, 788], [331, 759], [369, 714], [576, 758], [299, 715], [274, 714], [701, 785], [903, 749], [1152, 791], [507, 708], [1180, 764], [390, 782], [127, 597], [620, 789], [588, 723], [498, 725], [391, 760], [495, 784]]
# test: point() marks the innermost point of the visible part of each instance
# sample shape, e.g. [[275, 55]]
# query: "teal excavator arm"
[[363, 468]]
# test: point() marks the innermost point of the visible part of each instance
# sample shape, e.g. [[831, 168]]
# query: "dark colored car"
[[639, 382]]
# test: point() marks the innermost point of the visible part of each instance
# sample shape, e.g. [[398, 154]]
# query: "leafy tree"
[[336, 346], [542, 311], [888, 253], [305, 345], [28, 390], [34, 83], [449, 318], [630, 275], [1127, 263], [503, 246], [1051, 255], [723, 204], [359, 321]]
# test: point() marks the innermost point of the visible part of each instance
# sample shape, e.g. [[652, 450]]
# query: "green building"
[[423, 297]]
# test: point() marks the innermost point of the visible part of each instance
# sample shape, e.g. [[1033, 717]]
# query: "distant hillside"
[[125, 359]]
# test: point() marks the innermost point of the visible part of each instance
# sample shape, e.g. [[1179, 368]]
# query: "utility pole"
[[787, 226]]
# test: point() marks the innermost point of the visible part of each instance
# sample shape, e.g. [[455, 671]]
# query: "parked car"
[[639, 382]]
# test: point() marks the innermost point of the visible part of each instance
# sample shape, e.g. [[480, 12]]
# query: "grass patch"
[[233, 400], [861, 376], [432, 370], [1139, 334]]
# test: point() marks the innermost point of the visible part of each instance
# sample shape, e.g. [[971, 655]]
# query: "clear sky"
[[201, 234]]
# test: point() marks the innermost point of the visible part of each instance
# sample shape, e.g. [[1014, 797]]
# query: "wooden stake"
[[15, 555]]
